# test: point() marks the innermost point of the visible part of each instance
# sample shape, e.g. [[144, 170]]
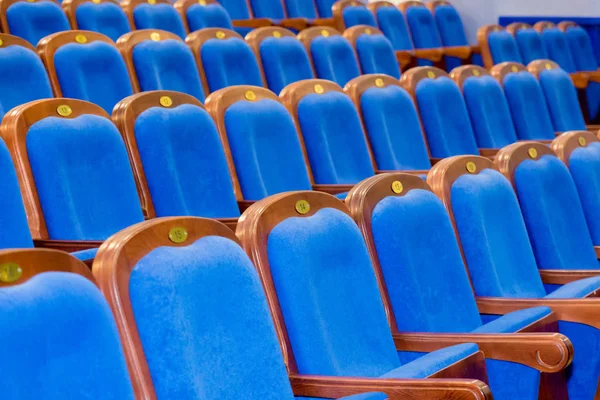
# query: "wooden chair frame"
[[11, 40], [70, 9]]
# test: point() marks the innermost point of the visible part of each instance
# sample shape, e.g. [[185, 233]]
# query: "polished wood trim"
[[564, 144], [510, 157], [482, 40], [338, 11], [332, 189], [562, 277], [565, 25], [11, 40], [517, 26], [499, 71], [537, 66], [405, 5], [129, 5], [542, 25], [460, 74], [256, 37], [307, 35], [70, 9], [68, 246]]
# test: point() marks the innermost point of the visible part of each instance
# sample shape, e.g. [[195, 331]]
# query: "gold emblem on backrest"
[[1, 42], [302, 207], [514, 68], [548, 66], [276, 34], [202, 2], [250, 95], [178, 235], [96, 1], [471, 167], [155, 36], [430, 74], [397, 187], [165, 101], [220, 34], [318, 89], [379, 82], [325, 33], [368, 31], [476, 72], [151, 1], [64, 110], [80, 39], [581, 140], [10, 272], [532, 152]]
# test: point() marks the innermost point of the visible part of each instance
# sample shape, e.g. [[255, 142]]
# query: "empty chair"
[[32, 20], [241, 15], [87, 66], [203, 14], [281, 56], [375, 52], [324, 8], [154, 14], [224, 59], [275, 11], [349, 13], [307, 9], [102, 16], [160, 60], [497, 46], [529, 41]]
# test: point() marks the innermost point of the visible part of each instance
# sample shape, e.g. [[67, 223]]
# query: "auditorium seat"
[[160, 60], [102, 16], [307, 9], [23, 77], [154, 14], [224, 59], [374, 51], [275, 11], [281, 57], [502, 265], [497, 46], [324, 8], [349, 13], [324, 293], [391, 122], [87, 66], [32, 20], [332, 55], [200, 14], [427, 290], [177, 156], [242, 18], [62, 334], [529, 41]]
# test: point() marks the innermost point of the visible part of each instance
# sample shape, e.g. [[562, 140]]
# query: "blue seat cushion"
[[33, 21], [106, 18], [284, 61], [504, 47], [393, 25], [207, 16], [581, 48], [334, 59], [158, 16], [376, 55], [514, 321]]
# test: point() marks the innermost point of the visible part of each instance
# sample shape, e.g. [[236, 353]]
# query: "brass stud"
[[319, 89], [165, 101], [397, 187], [548, 66], [514, 68], [155, 36], [379, 82], [202, 2], [64, 110], [96, 1], [220, 34], [476, 72], [581, 140], [532, 151], [471, 167], [152, 2], [1, 42], [178, 235], [10, 272], [276, 34], [368, 31], [250, 95], [430, 74], [80, 39], [302, 207], [325, 33]]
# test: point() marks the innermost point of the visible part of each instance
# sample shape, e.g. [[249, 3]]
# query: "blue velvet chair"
[[426, 287], [276, 12], [198, 15], [154, 14], [502, 263], [23, 77], [224, 59], [241, 15], [66, 333], [374, 51], [530, 43], [160, 60], [349, 13], [497, 46], [324, 8], [301, 9], [33, 20], [87, 66], [102, 16]]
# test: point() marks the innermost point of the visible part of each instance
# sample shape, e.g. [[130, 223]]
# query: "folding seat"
[[391, 123], [501, 261], [374, 51], [332, 55], [281, 56], [154, 14], [177, 156], [425, 288], [87, 66], [32, 20], [324, 295], [349, 13], [160, 60], [102, 16], [497, 46], [529, 41], [23, 77], [202, 14], [74, 173], [67, 337]]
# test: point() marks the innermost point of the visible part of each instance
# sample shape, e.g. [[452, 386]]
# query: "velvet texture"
[[33, 21], [167, 65], [267, 9], [334, 59], [358, 15], [301, 9], [265, 149], [284, 61], [504, 47], [106, 18], [324, 8], [584, 165], [207, 16], [158, 16], [83, 178], [562, 101], [558, 48], [334, 139], [184, 163], [452, 31], [424, 30], [393, 25], [530, 45], [237, 9], [377, 56], [67, 338], [94, 72]]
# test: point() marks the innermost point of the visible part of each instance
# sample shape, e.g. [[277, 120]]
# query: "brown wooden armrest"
[[489, 153], [462, 52], [322, 22], [243, 204], [593, 128], [410, 171], [434, 55], [252, 23], [563, 276], [332, 189], [593, 76], [294, 23], [475, 49], [67, 245], [580, 79], [231, 223], [404, 57]]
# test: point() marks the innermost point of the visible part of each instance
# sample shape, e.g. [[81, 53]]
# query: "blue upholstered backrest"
[[562, 101], [106, 18], [184, 163], [377, 56], [423, 28], [528, 107], [67, 339], [334, 59], [33, 21], [581, 48], [167, 65], [267, 9], [394, 130], [445, 118], [531, 45], [159, 16], [358, 15], [554, 215], [324, 8], [301, 9], [558, 49], [284, 61], [229, 62], [237, 9], [450, 26], [493, 236], [265, 149], [504, 47], [94, 72], [334, 139], [488, 109], [329, 296], [207, 16], [83, 178], [584, 164], [424, 274], [23, 78], [194, 337], [393, 25]]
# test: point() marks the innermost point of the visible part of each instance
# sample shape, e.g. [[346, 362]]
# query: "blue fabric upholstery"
[[358, 15], [67, 338], [83, 178], [334, 59], [324, 8], [584, 165], [554, 218], [576, 289], [23, 78], [528, 107], [488, 109], [284, 61], [158, 16], [107, 18], [394, 130], [334, 139], [85, 255], [562, 101], [301, 9], [267, 9], [558, 48], [376, 55], [229, 62], [237, 9], [423, 28], [530, 45], [452, 32], [95, 72], [184, 163], [445, 118], [33, 21], [503, 47], [265, 149], [207, 16], [514, 321], [167, 65], [393, 25]]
